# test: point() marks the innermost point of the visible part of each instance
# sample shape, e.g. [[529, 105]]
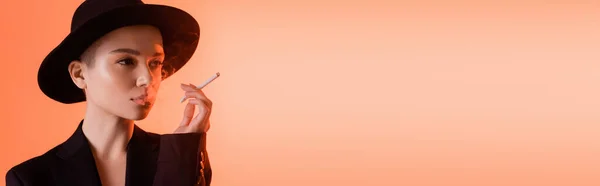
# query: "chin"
[[138, 116], [138, 113], [141, 112]]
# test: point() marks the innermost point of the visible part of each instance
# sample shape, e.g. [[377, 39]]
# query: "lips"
[[141, 100]]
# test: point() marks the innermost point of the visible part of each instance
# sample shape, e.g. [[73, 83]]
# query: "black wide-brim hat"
[[95, 18]]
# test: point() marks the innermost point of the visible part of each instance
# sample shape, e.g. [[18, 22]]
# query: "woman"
[[114, 59]]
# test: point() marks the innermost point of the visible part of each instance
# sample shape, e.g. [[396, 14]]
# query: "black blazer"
[[152, 159]]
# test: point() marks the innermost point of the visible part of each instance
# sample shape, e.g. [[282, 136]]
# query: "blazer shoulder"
[[35, 168]]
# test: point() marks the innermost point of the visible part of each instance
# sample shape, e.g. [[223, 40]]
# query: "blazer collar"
[[142, 156], [80, 163], [140, 140]]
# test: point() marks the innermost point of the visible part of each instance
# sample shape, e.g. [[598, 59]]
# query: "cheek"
[[155, 86], [108, 83], [156, 78]]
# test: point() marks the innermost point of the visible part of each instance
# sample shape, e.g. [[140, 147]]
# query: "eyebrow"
[[132, 51]]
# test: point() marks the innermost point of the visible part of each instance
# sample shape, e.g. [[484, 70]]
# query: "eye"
[[126, 61], [155, 63]]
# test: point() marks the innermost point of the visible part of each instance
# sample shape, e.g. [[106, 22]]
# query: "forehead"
[[143, 38]]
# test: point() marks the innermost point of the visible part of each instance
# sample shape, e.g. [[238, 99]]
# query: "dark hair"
[[89, 54], [173, 51], [167, 70]]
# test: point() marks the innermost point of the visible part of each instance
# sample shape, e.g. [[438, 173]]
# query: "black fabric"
[[152, 159]]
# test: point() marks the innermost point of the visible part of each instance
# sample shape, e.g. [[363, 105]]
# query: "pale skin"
[[121, 74]]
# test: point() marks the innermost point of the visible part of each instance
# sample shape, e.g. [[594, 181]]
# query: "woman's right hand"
[[200, 123]]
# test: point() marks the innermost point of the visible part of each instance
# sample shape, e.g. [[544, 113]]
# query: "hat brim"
[[180, 32]]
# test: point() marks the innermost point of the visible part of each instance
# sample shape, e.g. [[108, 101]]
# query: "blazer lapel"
[[142, 154], [78, 166]]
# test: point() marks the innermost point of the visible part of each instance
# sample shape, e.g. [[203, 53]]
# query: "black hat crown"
[[92, 8]]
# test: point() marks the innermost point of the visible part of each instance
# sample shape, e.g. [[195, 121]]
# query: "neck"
[[107, 134]]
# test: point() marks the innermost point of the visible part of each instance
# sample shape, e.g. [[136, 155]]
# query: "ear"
[[76, 71]]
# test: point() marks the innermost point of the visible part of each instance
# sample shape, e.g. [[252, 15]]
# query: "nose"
[[144, 78], [142, 81]]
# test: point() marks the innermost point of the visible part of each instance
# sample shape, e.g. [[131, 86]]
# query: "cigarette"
[[215, 76]]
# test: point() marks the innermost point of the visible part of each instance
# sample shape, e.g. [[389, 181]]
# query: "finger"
[[201, 92], [192, 88], [198, 95], [184, 87], [208, 125], [188, 114], [203, 113], [197, 89], [189, 87], [202, 107]]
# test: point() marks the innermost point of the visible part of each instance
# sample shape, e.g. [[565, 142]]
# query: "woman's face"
[[124, 73]]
